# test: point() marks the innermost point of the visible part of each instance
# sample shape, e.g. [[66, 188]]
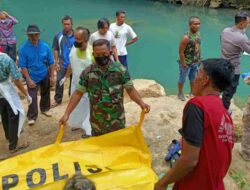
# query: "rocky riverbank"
[[160, 128], [235, 4]]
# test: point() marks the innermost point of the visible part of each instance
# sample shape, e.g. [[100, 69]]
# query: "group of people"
[[207, 127], [103, 52], [97, 65]]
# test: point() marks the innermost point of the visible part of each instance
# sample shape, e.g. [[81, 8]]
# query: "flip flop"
[[20, 147]]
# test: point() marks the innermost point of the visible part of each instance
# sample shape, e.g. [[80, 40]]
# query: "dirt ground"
[[42, 133], [160, 128]]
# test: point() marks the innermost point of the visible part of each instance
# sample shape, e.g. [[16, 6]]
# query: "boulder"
[[146, 88], [215, 3]]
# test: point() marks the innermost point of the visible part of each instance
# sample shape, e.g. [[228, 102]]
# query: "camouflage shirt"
[[192, 51], [105, 89]]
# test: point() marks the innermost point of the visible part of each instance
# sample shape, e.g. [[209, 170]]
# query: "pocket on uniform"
[[116, 93], [114, 79]]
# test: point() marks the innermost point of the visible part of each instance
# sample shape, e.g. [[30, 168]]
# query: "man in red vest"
[[207, 133]]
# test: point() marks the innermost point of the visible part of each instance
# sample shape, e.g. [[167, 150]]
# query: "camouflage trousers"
[[98, 130], [245, 144]]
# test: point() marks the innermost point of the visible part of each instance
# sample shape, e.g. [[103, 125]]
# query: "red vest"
[[215, 153]]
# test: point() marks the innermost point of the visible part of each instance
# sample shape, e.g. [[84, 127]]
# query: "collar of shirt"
[[234, 29], [31, 45], [112, 67], [65, 34]]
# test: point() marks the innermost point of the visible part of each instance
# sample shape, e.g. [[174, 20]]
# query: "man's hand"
[[52, 80], [64, 119], [29, 99], [145, 107], [31, 84], [184, 65], [62, 81], [57, 67], [159, 186]]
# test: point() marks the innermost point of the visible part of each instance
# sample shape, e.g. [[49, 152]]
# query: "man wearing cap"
[[62, 44], [37, 63]]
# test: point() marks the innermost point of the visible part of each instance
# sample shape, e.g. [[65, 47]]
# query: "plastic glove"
[[62, 81], [29, 99]]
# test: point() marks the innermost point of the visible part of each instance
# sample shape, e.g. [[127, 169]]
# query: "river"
[[158, 25]]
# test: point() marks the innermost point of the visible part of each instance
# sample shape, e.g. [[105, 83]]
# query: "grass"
[[240, 179]]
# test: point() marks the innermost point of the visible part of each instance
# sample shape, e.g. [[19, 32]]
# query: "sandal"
[[20, 147]]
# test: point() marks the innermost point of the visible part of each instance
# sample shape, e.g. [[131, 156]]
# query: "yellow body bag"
[[114, 161]]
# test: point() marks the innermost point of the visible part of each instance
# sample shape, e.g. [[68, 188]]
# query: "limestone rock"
[[149, 88], [146, 88], [215, 3]]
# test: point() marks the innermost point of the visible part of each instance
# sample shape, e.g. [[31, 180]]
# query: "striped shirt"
[[7, 35]]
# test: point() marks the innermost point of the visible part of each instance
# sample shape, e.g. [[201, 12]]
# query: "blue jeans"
[[190, 71]]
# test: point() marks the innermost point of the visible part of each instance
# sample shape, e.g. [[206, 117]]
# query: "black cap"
[[33, 29]]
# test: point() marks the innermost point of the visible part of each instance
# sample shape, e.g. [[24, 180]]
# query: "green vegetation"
[[240, 179]]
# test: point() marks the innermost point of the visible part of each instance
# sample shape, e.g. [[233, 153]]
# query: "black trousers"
[[10, 123], [229, 92], [44, 86]]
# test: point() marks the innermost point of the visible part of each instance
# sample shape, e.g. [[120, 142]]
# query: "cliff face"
[[237, 4]]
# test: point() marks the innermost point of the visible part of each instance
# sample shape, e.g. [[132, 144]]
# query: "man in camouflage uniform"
[[104, 81]]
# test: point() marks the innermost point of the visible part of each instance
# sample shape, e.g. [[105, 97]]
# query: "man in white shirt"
[[104, 33], [121, 31]]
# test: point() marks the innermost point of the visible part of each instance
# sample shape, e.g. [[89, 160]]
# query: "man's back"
[[230, 43], [233, 43], [7, 68]]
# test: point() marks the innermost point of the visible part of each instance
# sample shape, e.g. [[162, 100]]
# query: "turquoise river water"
[[158, 25]]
